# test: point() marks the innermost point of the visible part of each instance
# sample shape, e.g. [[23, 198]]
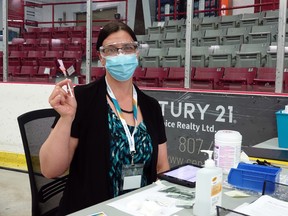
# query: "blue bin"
[[282, 129], [252, 177]]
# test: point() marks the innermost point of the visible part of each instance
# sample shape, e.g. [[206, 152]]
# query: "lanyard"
[[130, 136]]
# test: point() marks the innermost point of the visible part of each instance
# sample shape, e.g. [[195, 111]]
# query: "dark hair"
[[113, 27]]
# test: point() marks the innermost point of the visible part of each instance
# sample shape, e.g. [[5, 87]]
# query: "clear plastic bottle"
[[208, 188]]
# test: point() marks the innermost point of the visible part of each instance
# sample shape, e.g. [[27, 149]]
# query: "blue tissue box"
[[253, 176], [282, 126]]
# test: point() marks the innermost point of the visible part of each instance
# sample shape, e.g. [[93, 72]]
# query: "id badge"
[[131, 176]]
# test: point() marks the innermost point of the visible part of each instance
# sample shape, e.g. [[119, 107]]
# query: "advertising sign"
[[192, 119]]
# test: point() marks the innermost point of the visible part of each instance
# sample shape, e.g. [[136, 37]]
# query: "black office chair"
[[35, 127]]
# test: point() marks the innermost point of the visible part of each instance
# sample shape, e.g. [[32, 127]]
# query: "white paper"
[[47, 71], [70, 70], [149, 202], [266, 206]]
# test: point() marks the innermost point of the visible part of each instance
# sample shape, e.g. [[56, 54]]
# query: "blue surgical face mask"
[[121, 67]]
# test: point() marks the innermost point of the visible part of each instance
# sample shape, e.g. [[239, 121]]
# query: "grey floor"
[[15, 197]]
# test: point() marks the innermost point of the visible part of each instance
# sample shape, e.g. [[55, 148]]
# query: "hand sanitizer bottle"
[[208, 188]]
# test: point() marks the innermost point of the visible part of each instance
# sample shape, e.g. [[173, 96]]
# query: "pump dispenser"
[[208, 188]]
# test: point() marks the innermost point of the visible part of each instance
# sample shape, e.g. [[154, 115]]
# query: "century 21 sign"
[[190, 110]]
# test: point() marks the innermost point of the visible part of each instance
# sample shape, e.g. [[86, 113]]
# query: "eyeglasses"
[[113, 49]]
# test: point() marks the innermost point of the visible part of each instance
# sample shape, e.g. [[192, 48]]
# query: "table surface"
[[270, 144], [227, 202]]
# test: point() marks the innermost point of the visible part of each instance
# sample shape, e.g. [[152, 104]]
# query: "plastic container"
[[282, 127], [252, 177], [208, 188], [227, 149]]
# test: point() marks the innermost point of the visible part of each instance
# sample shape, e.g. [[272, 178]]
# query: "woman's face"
[[117, 39]]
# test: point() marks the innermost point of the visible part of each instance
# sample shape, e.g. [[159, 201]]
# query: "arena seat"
[[32, 41], [263, 34], [72, 58], [196, 38], [1, 73], [175, 57], [272, 55], [45, 74], [209, 23], [271, 17], [78, 32], [154, 57], [171, 39], [12, 69], [237, 79], [154, 40], [94, 51], [172, 25], [62, 32], [176, 77], [44, 44], [13, 47], [31, 33], [206, 78], [77, 44], [142, 38], [200, 56], [251, 55], [28, 70], [16, 40], [25, 73], [223, 55], [231, 21], [236, 35], [1, 58], [139, 72], [33, 58], [30, 44], [15, 57], [45, 32], [143, 51], [96, 73], [213, 37], [50, 59], [96, 31], [153, 77], [251, 19], [59, 44], [265, 79]]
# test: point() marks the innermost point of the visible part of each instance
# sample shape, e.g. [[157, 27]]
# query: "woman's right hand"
[[62, 101]]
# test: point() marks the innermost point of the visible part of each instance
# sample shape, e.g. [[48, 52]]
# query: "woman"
[[109, 132]]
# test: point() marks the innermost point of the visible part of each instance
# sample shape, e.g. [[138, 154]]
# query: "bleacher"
[[34, 56], [243, 46], [228, 53]]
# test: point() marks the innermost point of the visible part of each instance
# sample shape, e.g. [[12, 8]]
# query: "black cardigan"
[[88, 182]]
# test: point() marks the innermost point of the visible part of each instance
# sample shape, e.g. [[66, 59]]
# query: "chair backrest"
[[35, 127], [251, 19], [207, 78], [231, 21], [271, 17], [97, 72], [234, 74], [209, 23]]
